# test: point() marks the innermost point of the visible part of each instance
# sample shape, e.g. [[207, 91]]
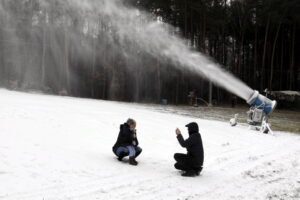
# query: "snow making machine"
[[259, 112]]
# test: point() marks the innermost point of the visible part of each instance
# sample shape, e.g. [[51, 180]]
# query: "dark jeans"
[[186, 163]]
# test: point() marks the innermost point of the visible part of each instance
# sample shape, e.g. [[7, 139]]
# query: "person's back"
[[192, 162], [196, 148]]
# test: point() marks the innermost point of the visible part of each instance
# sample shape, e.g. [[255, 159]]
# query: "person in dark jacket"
[[127, 142], [192, 162]]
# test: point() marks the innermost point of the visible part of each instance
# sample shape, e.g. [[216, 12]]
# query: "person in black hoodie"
[[192, 162], [127, 142]]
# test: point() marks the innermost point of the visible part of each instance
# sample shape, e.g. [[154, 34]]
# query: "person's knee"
[[176, 156], [115, 152], [178, 166], [132, 151], [138, 149], [122, 150]]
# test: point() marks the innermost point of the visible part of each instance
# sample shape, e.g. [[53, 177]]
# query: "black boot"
[[132, 161], [190, 173], [197, 170]]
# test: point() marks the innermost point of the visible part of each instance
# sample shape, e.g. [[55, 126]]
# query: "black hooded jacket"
[[126, 137], [193, 144]]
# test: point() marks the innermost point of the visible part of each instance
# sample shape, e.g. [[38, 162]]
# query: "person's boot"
[[132, 161], [121, 156], [197, 170], [190, 173]]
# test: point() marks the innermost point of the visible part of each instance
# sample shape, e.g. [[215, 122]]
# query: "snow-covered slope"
[[60, 148]]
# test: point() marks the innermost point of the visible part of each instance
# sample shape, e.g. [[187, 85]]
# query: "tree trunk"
[[204, 35], [158, 84], [177, 88], [255, 60], [66, 61], [185, 19], [224, 53], [240, 52], [273, 54], [2, 67], [44, 53], [292, 59], [93, 68], [192, 29], [281, 63], [264, 54], [233, 56], [224, 46]]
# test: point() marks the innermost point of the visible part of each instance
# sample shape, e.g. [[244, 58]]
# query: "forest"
[[59, 48]]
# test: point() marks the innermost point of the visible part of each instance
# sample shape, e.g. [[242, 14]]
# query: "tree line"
[[52, 47]]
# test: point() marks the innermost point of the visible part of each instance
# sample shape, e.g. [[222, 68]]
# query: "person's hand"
[[178, 132]]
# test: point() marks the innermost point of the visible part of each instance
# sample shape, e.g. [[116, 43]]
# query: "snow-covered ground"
[[60, 148]]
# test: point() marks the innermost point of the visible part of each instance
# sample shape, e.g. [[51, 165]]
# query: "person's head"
[[131, 123], [192, 127]]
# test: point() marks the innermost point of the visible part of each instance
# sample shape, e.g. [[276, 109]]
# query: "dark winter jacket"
[[193, 144], [126, 137]]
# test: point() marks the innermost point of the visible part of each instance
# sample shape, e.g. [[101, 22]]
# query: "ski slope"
[[58, 148]]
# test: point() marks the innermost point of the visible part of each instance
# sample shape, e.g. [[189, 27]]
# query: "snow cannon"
[[259, 112], [261, 102]]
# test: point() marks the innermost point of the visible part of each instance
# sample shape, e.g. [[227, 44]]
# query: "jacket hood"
[[192, 127], [125, 125]]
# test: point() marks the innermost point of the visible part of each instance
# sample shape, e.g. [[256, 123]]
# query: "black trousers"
[[186, 163]]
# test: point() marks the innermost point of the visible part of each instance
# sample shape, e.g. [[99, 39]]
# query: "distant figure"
[[127, 142], [192, 162]]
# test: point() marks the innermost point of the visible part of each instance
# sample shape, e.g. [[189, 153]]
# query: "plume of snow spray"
[[131, 26], [155, 38]]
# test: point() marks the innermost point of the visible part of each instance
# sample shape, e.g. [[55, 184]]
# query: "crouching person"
[[192, 162], [127, 142]]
